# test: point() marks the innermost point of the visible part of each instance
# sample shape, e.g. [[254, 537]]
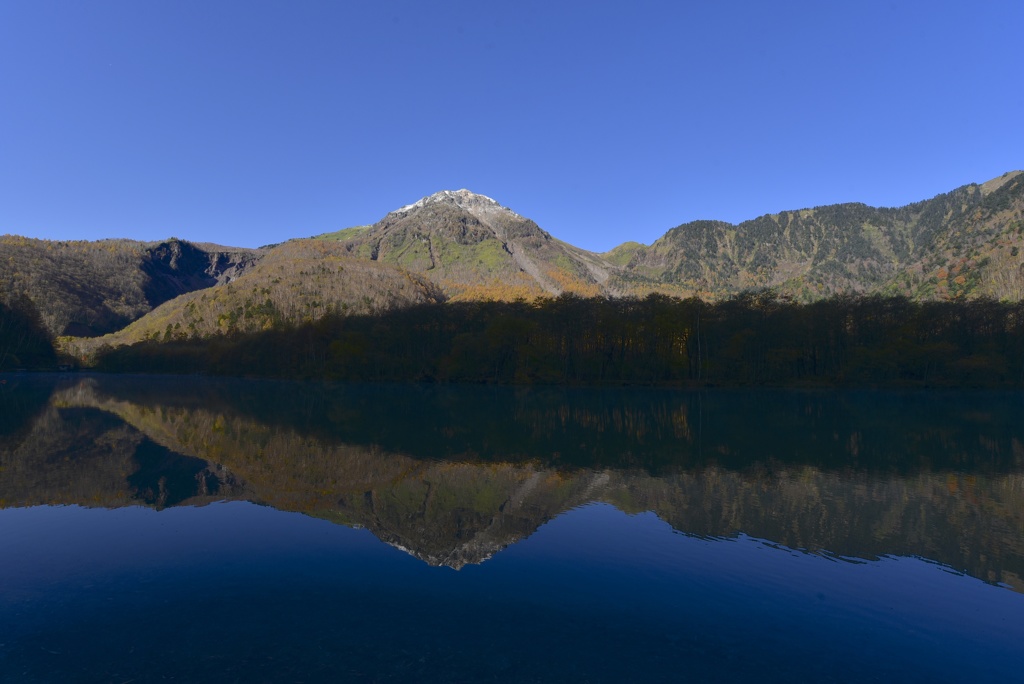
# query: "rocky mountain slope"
[[474, 248]]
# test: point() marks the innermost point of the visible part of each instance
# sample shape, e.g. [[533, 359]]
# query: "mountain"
[[93, 288], [297, 281], [965, 243], [474, 248], [458, 245]]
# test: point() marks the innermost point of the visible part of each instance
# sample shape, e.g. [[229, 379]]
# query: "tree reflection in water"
[[453, 475]]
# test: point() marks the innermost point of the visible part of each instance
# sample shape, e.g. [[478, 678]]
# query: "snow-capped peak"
[[470, 201]]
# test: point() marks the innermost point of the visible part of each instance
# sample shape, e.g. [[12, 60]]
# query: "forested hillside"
[[300, 281], [92, 288], [23, 340], [965, 243]]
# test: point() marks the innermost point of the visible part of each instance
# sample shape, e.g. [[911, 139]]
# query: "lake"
[[193, 529]]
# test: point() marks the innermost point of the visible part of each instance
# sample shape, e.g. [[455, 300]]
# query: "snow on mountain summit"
[[465, 199]]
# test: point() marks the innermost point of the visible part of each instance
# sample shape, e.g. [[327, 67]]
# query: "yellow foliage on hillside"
[[297, 282]]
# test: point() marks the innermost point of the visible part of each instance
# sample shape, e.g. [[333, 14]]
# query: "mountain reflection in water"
[[453, 475]]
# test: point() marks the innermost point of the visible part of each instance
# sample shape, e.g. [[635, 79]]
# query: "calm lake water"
[[186, 529]]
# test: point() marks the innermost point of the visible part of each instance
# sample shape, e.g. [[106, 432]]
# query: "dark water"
[[199, 530]]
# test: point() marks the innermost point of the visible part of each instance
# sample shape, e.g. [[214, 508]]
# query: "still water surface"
[[198, 530]]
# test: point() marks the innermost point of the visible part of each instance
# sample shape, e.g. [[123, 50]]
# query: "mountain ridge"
[[807, 253], [852, 248], [456, 245]]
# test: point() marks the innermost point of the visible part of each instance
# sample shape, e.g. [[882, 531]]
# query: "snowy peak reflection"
[[368, 457]]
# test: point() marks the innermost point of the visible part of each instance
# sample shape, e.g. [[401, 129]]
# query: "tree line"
[[754, 339], [24, 341]]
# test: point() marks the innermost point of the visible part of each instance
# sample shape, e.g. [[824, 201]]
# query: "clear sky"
[[251, 122]]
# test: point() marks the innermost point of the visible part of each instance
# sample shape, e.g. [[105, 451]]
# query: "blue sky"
[[246, 123]]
